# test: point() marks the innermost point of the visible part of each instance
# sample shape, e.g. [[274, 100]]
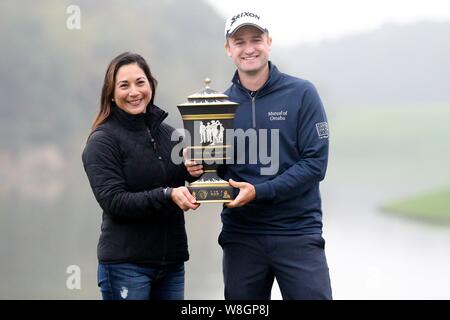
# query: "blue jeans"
[[132, 281], [252, 261]]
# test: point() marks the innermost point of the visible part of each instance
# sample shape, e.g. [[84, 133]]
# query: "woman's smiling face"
[[132, 91]]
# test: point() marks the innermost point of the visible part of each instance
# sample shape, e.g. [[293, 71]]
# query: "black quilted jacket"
[[127, 160]]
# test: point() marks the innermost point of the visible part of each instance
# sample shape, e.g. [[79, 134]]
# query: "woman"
[[143, 244]]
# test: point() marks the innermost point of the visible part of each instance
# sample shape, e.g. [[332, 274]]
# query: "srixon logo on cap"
[[243, 14]]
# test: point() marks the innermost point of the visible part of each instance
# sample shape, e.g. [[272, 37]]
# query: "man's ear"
[[227, 48], [269, 42]]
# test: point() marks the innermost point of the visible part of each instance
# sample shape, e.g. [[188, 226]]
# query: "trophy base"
[[211, 192]]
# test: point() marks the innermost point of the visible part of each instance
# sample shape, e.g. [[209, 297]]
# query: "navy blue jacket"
[[288, 199]]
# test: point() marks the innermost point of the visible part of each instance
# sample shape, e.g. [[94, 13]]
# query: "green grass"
[[433, 206]]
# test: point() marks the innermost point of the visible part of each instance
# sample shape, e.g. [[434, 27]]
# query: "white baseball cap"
[[244, 18]]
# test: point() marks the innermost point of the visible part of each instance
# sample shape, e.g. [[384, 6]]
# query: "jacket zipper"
[[253, 112], [253, 98], [165, 242], [155, 148]]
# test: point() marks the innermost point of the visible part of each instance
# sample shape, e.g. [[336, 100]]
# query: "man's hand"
[[194, 169], [184, 199], [246, 194]]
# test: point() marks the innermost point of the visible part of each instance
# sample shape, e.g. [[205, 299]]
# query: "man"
[[273, 228]]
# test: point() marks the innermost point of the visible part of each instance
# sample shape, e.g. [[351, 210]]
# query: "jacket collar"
[[274, 76], [152, 118]]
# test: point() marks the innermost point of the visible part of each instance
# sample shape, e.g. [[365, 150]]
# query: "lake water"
[[371, 254]]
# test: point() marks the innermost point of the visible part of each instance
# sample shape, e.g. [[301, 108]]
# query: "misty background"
[[386, 93]]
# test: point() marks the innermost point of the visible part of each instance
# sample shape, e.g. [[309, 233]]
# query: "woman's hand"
[[184, 199], [194, 169]]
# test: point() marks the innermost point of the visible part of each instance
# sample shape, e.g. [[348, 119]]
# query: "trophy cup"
[[206, 116]]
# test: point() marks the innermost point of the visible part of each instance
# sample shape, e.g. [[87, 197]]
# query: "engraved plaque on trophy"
[[206, 116]]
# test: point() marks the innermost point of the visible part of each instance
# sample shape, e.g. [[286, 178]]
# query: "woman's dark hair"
[[110, 79]]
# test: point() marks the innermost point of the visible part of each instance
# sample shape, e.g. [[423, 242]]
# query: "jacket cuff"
[[167, 193]]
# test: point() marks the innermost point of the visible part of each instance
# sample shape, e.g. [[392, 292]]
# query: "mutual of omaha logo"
[[277, 115], [322, 130]]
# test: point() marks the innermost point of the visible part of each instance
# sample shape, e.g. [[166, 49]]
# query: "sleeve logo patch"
[[322, 130]]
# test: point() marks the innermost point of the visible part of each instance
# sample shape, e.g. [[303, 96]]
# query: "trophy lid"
[[208, 96]]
